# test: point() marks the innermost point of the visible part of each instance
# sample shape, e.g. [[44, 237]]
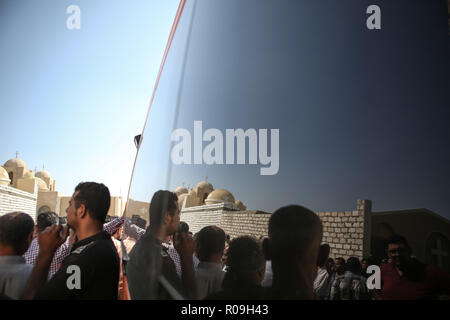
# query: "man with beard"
[[406, 278], [91, 270]]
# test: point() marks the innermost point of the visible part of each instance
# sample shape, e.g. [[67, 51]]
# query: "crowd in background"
[[91, 256]]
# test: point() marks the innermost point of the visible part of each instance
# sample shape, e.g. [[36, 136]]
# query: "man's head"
[[210, 243], [245, 260], [46, 219], [16, 233], [183, 227], [353, 265], [164, 212], [398, 250], [89, 205], [339, 265], [295, 233], [324, 252]]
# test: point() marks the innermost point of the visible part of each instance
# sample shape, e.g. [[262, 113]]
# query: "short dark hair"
[[209, 240], [162, 201], [96, 199], [341, 259], [15, 228], [324, 252], [46, 219], [245, 255], [292, 229], [353, 265], [244, 258], [183, 227]]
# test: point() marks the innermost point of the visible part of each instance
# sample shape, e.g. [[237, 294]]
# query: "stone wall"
[[344, 231], [12, 199], [228, 217], [347, 232], [202, 216], [251, 222], [50, 199]]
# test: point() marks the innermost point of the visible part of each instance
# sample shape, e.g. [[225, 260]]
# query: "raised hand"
[[52, 238]]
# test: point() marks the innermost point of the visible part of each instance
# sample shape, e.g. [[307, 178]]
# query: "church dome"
[[42, 186], [205, 185], [180, 190], [15, 163], [4, 178], [28, 174], [43, 174], [219, 195]]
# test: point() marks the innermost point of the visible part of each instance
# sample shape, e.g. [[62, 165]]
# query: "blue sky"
[[74, 99]]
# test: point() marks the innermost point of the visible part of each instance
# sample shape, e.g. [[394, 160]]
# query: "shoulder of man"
[[92, 254]]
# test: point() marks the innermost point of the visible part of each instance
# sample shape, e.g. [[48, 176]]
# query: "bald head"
[[16, 230]]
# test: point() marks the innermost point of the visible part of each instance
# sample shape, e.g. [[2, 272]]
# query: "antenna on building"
[[35, 169], [17, 154], [43, 167]]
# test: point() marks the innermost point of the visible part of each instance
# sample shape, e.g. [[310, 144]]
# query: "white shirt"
[[321, 283]]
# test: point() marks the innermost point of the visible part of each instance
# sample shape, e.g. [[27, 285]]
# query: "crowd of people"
[[123, 259]]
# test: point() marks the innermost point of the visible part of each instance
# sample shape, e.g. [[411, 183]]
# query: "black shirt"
[[148, 261], [98, 264]]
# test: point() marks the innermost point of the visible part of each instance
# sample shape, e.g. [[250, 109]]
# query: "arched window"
[[11, 176]]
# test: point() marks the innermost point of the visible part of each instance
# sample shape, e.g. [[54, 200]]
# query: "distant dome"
[[180, 190], [43, 174], [219, 195], [4, 178], [205, 185], [41, 184], [28, 174], [15, 163]]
